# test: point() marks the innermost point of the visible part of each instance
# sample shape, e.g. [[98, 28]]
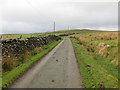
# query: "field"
[[97, 55], [59, 32], [21, 36]]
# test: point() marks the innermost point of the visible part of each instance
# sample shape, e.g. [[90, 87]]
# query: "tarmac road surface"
[[58, 69]]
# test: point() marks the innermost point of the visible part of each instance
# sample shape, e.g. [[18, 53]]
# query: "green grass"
[[7, 77], [13, 36], [58, 32], [105, 63], [94, 71], [76, 31]]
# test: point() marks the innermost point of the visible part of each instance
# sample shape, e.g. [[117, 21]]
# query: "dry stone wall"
[[18, 46]]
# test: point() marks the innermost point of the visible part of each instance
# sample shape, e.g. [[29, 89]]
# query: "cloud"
[[29, 16]]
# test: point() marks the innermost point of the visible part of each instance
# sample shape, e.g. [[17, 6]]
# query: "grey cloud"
[[28, 16]]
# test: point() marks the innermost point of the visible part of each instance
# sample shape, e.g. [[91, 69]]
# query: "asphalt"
[[58, 69]]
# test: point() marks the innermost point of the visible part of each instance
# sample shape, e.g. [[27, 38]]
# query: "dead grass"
[[104, 44], [8, 63], [13, 61]]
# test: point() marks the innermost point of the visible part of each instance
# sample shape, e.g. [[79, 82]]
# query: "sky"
[[34, 16]]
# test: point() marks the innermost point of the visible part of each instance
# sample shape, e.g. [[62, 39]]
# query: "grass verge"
[[94, 71], [9, 76]]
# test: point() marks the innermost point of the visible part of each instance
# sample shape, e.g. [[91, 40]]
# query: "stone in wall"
[[18, 46]]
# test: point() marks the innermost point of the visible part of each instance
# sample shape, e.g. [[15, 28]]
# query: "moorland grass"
[[96, 72]]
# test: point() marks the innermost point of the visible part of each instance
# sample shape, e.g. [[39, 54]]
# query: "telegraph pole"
[[54, 27]]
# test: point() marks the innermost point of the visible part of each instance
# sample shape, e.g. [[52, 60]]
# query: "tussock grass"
[[94, 69], [14, 61], [104, 44]]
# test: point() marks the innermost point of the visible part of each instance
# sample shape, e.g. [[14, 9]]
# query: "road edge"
[[33, 64]]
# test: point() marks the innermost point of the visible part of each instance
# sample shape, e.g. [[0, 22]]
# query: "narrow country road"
[[58, 69]]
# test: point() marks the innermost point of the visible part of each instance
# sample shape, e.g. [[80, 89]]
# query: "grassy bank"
[[9, 76], [95, 69]]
